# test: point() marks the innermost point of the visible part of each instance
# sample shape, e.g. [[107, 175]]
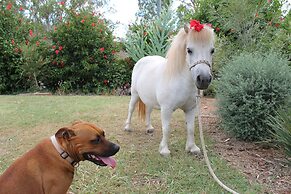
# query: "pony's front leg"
[[149, 127], [133, 100], [166, 114], [190, 144]]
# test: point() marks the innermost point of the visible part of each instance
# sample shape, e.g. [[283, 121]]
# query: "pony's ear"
[[186, 28], [65, 133]]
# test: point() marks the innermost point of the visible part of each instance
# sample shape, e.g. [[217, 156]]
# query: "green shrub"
[[281, 128], [81, 55], [11, 31], [250, 89], [150, 39]]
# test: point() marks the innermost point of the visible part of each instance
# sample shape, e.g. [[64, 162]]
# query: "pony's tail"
[[141, 109]]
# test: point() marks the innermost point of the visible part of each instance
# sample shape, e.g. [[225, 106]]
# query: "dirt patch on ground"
[[267, 166]]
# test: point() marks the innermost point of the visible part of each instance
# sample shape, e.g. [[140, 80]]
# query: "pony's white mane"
[[176, 55]]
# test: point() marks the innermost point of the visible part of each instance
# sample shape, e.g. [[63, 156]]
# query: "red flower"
[[195, 24], [93, 24], [57, 52], [9, 6], [102, 49], [12, 42], [60, 48], [113, 52], [30, 33], [62, 3], [105, 56], [21, 9], [105, 81], [45, 38], [37, 43], [82, 21], [217, 29], [54, 47]]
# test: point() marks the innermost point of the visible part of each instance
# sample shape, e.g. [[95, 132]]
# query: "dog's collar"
[[63, 153]]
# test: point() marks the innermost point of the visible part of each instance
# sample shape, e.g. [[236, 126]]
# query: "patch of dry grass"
[[25, 120]]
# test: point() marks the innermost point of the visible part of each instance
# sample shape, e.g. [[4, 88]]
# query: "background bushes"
[[82, 53], [250, 90], [71, 52]]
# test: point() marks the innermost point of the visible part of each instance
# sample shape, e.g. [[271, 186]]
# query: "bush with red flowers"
[[81, 54], [11, 34]]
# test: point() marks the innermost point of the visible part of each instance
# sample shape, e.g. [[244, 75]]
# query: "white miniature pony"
[[172, 82]]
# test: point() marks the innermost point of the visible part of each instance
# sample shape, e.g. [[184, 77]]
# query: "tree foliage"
[[148, 9], [152, 38]]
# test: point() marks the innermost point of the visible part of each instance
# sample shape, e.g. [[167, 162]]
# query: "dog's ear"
[[65, 133]]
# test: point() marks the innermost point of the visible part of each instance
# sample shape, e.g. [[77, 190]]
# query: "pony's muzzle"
[[203, 81]]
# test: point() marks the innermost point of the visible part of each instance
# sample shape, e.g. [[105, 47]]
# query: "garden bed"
[[260, 163]]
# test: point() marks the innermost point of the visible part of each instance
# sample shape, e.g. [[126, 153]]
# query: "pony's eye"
[[189, 51], [96, 141], [212, 51]]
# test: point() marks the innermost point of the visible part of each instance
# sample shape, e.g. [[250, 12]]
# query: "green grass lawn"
[[25, 120]]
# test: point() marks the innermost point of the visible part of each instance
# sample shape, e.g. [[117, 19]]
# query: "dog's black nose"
[[116, 148]]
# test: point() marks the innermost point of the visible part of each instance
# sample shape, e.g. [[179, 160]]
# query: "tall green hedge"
[[81, 54], [250, 90], [11, 34]]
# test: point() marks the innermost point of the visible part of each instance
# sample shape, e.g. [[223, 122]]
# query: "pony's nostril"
[[198, 78]]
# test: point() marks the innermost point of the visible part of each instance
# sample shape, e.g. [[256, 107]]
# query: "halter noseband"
[[200, 61]]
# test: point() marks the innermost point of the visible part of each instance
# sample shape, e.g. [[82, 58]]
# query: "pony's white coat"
[[169, 84]]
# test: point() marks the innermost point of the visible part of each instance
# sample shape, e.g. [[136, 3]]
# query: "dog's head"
[[85, 141]]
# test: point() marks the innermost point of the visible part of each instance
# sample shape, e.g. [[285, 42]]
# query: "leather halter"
[[63, 153], [199, 62]]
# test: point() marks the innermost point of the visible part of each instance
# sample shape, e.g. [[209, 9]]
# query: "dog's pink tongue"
[[109, 161]]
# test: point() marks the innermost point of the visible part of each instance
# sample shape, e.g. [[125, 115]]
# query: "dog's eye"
[[96, 141], [189, 51]]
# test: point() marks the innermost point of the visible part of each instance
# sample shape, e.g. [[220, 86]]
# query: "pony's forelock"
[[206, 35]]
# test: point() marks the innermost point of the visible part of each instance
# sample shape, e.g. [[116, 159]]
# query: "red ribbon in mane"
[[195, 24]]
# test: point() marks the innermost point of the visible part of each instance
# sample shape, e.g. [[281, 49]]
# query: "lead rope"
[[204, 149]]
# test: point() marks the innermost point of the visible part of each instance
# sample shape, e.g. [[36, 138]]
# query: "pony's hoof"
[[165, 152], [195, 151], [128, 129], [150, 130]]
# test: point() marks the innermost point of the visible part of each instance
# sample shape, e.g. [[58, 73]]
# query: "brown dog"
[[49, 166]]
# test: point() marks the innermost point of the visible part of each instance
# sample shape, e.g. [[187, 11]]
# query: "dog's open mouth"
[[101, 161]]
